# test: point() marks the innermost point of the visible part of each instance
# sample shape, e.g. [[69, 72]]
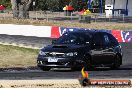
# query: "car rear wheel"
[[117, 62], [45, 68]]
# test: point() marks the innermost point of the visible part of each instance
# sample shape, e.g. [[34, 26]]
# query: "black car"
[[81, 49]]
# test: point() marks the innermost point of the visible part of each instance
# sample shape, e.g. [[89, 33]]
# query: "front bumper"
[[59, 63]]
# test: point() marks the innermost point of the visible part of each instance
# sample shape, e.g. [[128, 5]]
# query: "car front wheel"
[[45, 68], [117, 62], [87, 64]]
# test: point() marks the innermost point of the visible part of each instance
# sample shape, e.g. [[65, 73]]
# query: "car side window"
[[97, 40], [106, 40]]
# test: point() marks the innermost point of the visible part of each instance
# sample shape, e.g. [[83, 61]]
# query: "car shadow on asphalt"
[[69, 70], [124, 69], [95, 69]]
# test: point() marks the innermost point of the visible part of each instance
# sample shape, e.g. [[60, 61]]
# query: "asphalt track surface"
[[125, 71]]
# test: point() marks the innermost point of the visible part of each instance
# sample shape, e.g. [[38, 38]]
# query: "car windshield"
[[73, 38]]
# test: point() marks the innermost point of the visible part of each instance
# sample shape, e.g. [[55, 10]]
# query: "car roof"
[[87, 31]]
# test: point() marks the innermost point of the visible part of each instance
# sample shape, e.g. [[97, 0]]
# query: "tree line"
[[53, 5], [20, 8]]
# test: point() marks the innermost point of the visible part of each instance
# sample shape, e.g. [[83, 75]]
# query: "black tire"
[[45, 68], [87, 64], [117, 62], [76, 68]]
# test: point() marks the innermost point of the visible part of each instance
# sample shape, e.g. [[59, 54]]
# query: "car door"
[[97, 49], [114, 45], [108, 49]]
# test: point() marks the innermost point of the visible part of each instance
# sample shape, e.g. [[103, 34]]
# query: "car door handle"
[[110, 49]]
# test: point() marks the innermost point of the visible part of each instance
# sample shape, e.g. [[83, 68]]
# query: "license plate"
[[52, 60]]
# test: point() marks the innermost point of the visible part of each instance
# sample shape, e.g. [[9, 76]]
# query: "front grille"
[[55, 63], [54, 54]]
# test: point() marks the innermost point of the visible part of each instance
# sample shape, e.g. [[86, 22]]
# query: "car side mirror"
[[54, 41], [97, 45], [87, 42]]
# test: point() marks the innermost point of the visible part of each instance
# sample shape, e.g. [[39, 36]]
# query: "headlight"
[[71, 54], [42, 53], [120, 46]]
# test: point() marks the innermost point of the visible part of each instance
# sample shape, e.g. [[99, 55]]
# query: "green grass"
[[13, 56]]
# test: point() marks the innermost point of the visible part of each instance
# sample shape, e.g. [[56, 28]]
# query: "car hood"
[[63, 48]]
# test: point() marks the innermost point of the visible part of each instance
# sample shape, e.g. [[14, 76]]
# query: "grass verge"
[[13, 56], [94, 25]]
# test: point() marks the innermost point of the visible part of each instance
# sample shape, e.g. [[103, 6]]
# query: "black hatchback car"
[[81, 49]]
